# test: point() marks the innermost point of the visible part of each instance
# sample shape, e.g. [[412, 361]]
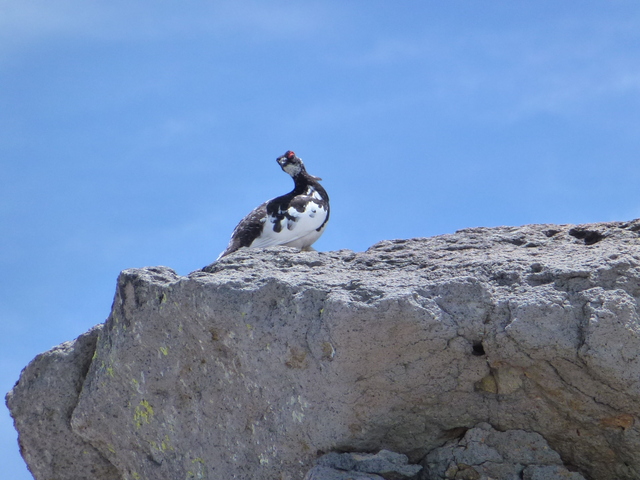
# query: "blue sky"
[[139, 133]]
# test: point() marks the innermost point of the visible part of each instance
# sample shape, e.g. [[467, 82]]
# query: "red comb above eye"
[[289, 154]]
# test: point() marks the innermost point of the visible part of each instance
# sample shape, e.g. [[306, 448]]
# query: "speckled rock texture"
[[384, 465], [41, 404], [484, 453], [261, 363]]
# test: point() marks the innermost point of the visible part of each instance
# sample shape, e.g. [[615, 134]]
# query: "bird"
[[296, 219]]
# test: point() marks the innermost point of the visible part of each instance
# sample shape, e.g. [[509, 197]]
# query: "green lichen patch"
[[198, 469], [143, 413]]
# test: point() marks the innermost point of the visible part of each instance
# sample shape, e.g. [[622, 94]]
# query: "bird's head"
[[291, 164]]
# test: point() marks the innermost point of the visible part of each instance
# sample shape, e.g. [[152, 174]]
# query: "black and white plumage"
[[296, 219]]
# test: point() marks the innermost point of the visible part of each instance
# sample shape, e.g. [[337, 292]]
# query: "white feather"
[[300, 232]]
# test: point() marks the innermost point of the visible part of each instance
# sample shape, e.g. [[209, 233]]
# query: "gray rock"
[[320, 472], [41, 404], [549, 472], [249, 368], [339, 461], [484, 453], [389, 465]]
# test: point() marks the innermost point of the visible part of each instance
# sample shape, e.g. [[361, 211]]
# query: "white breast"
[[296, 229]]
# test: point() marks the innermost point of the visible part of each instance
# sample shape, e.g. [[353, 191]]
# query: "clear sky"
[[138, 133]]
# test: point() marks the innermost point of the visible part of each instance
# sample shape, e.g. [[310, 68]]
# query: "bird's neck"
[[301, 182]]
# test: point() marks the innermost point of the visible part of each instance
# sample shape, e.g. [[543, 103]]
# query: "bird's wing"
[[247, 230]]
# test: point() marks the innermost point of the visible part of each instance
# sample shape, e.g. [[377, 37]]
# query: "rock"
[[549, 472], [41, 404], [484, 453], [386, 464], [328, 473], [251, 367]]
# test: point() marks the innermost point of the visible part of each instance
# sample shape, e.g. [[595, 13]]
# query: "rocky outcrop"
[[41, 405], [384, 465], [264, 362], [484, 453]]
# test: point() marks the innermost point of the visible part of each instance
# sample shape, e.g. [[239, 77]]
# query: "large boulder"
[[42, 403], [484, 453], [261, 363]]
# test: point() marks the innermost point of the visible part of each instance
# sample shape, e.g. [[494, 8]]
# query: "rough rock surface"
[[484, 453], [384, 465], [42, 404], [264, 361]]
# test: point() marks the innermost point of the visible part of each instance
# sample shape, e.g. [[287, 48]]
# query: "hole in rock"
[[478, 349], [455, 433], [589, 236]]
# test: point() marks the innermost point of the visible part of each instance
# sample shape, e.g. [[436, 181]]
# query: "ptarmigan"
[[296, 219]]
